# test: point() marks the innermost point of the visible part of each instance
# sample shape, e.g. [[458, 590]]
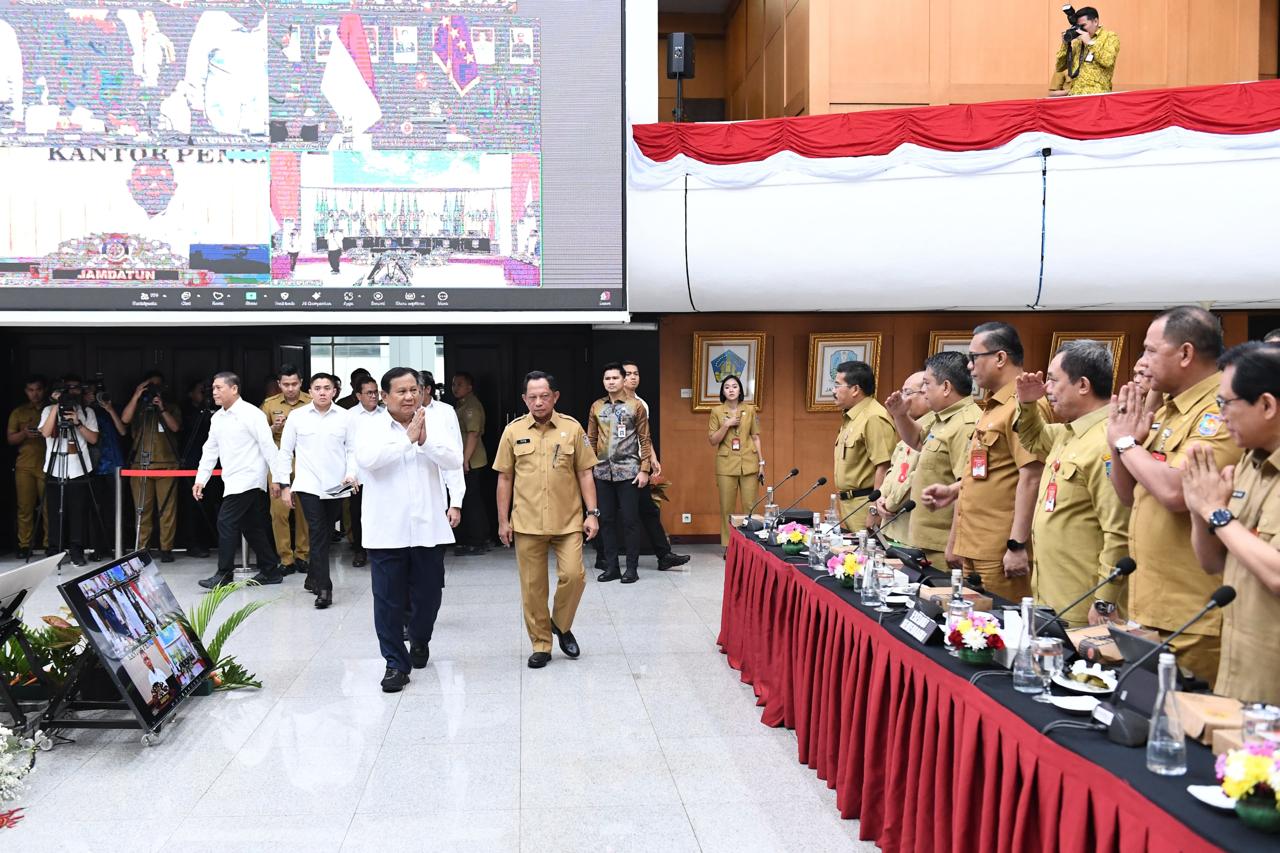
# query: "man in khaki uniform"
[[28, 471], [1080, 529], [865, 443], [1180, 354], [287, 524], [544, 466], [992, 523], [910, 410], [1236, 521], [474, 531], [154, 425], [944, 451]]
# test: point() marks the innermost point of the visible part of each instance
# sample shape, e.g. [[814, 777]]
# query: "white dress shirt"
[[324, 452], [74, 460], [403, 484], [240, 437]]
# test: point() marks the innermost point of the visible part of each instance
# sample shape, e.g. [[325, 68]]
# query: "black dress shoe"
[[215, 580], [393, 681], [309, 585], [609, 575], [630, 576], [302, 566], [467, 551], [23, 553], [538, 660], [670, 560], [360, 559], [419, 654], [198, 553], [77, 558], [324, 598], [568, 643], [286, 569], [166, 556], [264, 578]]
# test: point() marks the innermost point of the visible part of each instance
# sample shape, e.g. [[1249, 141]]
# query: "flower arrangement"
[[977, 638], [792, 537], [16, 757], [844, 567], [1251, 775]]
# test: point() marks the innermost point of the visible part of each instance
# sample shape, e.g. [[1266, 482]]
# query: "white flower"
[[975, 639]]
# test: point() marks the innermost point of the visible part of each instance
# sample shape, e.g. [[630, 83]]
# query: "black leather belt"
[[850, 494]]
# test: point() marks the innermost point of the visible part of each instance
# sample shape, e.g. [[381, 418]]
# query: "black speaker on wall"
[[680, 51]]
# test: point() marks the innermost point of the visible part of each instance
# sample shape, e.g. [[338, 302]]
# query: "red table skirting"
[[925, 760], [1237, 108]]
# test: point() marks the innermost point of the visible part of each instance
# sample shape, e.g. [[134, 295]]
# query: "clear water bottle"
[[1026, 679], [817, 544], [770, 510], [1166, 741], [870, 583], [833, 511]]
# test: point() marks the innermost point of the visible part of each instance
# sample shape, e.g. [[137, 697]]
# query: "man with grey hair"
[[1080, 529]]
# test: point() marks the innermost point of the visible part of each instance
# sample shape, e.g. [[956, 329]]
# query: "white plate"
[[1078, 686], [897, 599], [1212, 795], [1081, 705]]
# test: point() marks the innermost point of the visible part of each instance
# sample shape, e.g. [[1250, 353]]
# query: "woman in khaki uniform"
[[734, 431]]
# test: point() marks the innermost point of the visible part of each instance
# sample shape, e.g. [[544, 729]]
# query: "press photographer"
[[1087, 55], [67, 428], [154, 424]]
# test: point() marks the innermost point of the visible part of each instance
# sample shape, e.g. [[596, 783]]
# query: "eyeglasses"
[[909, 393], [974, 356], [1223, 402]]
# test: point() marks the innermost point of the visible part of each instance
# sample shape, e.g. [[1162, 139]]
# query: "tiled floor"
[[648, 742]]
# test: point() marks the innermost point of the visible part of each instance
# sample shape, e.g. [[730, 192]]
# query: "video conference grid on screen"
[[133, 620], [306, 155]]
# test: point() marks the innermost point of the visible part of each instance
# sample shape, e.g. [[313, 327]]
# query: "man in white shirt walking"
[[318, 434], [240, 437], [402, 457]]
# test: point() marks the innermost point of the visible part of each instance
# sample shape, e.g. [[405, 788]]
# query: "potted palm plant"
[[228, 673]]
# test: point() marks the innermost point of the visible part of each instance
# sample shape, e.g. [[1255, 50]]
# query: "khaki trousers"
[[531, 559], [1199, 653], [29, 484], [156, 493], [994, 581], [731, 486], [290, 548]]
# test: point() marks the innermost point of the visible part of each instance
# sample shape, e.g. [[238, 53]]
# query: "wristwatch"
[[1125, 442], [1105, 608], [1220, 518], [594, 512], [1015, 545]]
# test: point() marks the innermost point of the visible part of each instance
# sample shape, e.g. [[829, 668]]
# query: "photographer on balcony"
[[1087, 55]]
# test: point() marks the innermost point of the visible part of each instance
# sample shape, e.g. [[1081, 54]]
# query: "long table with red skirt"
[[928, 761]]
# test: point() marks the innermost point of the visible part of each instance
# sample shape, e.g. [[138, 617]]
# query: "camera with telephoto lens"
[[99, 386], [1072, 32]]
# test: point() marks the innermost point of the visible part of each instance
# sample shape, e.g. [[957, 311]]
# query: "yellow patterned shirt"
[[1097, 62]]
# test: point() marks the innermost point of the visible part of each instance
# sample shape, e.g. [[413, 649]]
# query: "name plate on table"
[[920, 626]]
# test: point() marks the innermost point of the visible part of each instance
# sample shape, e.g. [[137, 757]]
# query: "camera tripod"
[[57, 471]]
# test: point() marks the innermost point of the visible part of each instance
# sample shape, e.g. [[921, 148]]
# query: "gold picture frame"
[[957, 341], [828, 350], [1113, 340], [720, 354]]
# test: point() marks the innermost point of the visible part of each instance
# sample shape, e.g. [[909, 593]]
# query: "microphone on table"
[[1126, 726], [822, 481], [795, 472], [1125, 566], [869, 498]]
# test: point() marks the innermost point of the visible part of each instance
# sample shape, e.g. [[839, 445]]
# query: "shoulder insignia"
[[1209, 424]]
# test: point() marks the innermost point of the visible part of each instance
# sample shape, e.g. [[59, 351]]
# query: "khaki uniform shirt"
[[1250, 667], [544, 461], [745, 461], [1170, 586], [944, 452], [276, 403], [31, 451], [471, 419], [865, 441], [151, 435], [984, 512], [1080, 529]]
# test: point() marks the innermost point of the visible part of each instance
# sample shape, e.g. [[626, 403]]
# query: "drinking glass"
[[957, 612], [884, 586], [1261, 724], [870, 584], [1048, 655]]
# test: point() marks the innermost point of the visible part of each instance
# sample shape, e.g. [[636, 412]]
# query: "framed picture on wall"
[[718, 355], [826, 352], [1113, 340], [949, 342]]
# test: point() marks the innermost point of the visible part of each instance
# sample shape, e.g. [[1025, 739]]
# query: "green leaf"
[[235, 620]]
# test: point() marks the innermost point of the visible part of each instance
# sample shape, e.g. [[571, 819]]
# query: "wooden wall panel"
[[997, 45], [753, 92], [755, 30], [792, 436], [710, 70], [796, 63], [774, 13], [880, 48], [1269, 39], [775, 76], [736, 46]]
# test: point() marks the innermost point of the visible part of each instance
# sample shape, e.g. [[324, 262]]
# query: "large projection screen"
[[258, 160]]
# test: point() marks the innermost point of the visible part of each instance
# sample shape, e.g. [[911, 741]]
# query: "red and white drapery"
[[958, 139]]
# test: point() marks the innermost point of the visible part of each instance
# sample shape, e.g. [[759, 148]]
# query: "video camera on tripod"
[[67, 397]]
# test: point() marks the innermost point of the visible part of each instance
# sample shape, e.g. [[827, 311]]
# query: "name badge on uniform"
[[523, 440], [736, 444], [1238, 493], [1051, 497], [978, 464], [620, 431]]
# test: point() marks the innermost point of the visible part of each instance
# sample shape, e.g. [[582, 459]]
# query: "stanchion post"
[[119, 516]]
